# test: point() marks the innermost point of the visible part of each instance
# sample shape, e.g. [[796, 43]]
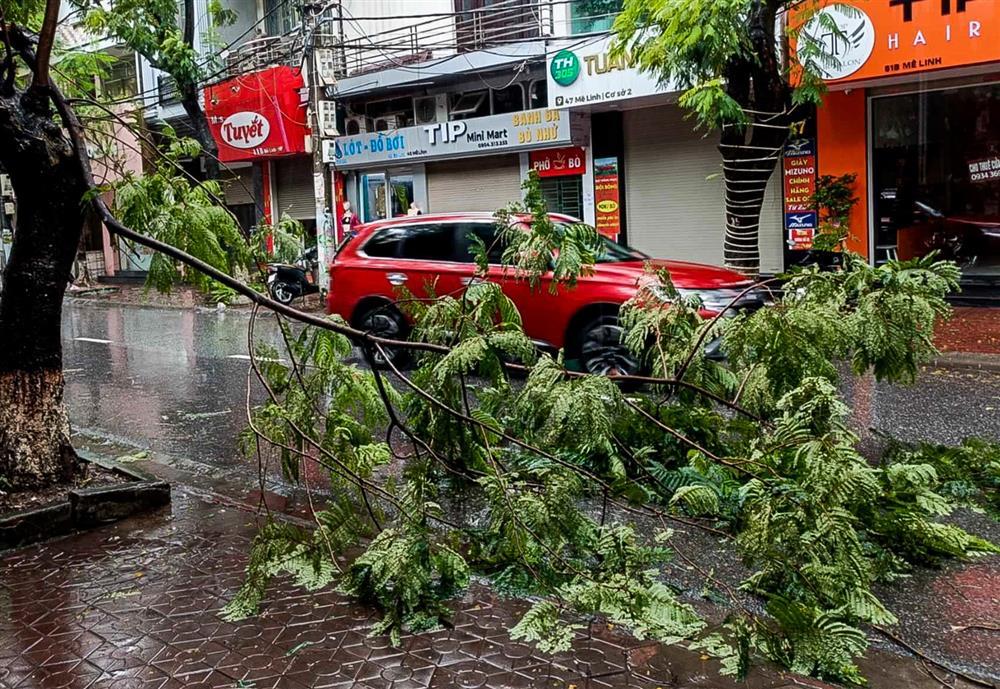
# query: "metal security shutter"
[[293, 180], [473, 184], [675, 200], [564, 195], [237, 185]]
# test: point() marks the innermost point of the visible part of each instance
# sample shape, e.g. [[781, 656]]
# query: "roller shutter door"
[[675, 200], [237, 184], [293, 181], [473, 184]]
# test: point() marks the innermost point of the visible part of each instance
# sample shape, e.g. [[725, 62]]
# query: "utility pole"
[[312, 16]]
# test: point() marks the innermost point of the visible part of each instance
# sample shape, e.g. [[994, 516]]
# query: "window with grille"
[[564, 195], [282, 17]]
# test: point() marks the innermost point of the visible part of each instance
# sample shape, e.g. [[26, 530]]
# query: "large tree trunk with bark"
[[35, 448], [750, 151]]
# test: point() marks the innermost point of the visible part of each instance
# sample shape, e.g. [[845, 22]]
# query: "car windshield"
[[617, 253]]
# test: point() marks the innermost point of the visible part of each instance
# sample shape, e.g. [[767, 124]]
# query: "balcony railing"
[[502, 22], [261, 53]]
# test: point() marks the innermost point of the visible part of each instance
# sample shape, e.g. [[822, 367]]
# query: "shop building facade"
[[913, 109]]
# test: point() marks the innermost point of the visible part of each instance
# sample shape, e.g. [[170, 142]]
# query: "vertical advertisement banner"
[[607, 202], [799, 171]]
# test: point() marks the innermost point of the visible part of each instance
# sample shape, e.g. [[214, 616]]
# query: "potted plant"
[[834, 200]]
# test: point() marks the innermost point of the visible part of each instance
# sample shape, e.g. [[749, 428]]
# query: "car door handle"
[[471, 280], [396, 279]]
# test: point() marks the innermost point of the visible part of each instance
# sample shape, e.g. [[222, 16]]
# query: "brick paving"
[[972, 330], [135, 606]]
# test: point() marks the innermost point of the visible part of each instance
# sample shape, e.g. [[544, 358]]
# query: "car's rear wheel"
[[600, 349], [384, 320]]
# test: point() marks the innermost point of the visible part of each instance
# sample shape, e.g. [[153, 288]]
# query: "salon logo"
[[837, 41]]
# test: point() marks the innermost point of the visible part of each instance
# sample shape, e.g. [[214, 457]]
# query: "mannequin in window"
[[347, 218], [414, 209]]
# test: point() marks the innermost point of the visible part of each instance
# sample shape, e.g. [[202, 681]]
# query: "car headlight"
[[715, 299]]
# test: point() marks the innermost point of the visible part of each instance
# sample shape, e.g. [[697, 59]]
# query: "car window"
[[385, 243], [487, 231], [432, 242]]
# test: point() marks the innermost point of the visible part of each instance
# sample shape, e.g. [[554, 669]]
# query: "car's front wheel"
[[384, 320], [600, 349]]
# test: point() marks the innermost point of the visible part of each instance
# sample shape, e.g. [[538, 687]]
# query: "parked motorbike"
[[287, 281]]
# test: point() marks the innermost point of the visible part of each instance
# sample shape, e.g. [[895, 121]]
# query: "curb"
[[968, 360]]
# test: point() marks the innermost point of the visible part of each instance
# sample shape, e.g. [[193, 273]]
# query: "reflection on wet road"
[[172, 380], [175, 381]]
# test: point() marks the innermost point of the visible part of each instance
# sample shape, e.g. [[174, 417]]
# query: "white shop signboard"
[[585, 72], [510, 132]]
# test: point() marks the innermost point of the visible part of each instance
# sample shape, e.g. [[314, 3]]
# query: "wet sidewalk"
[[135, 606]]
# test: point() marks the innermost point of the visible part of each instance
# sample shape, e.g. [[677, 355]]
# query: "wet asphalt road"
[[175, 381]]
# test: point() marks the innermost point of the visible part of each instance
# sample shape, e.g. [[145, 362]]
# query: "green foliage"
[[171, 208], [305, 555], [969, 474], [878, 318], [548, 466], [287, 236], [568, 250], [622, 586], [834, 198], [405, 572], [707, 48], [152, 28]]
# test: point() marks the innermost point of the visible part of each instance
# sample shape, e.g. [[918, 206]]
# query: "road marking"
[[92, 339], [246, 357]]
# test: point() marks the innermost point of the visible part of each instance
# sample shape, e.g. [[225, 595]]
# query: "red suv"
[[436, 249]]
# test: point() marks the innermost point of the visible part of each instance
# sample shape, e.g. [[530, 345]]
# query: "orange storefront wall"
[[842, 139]]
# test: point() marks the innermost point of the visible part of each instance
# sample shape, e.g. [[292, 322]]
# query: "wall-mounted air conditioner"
[[386, 123], [357, 124], [430, 109]]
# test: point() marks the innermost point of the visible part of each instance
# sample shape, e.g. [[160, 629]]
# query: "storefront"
[[656, 182], [914, 111], [259, 123], [476, 164]]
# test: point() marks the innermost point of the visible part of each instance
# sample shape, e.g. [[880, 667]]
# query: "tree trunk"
[[748, 164], [35, 448], [202, 132], [751, 151]]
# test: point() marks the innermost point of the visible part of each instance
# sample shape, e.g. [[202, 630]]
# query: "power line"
[[208, 79]]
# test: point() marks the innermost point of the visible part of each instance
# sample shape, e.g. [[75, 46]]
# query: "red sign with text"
[[559, 162], [799, 172], [259, 115], [607, 201]]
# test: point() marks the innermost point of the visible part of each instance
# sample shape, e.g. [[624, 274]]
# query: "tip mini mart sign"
[[586, 72], [882, 38]]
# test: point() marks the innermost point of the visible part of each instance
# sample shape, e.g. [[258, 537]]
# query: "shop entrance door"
[[936, 176], [385, 195]]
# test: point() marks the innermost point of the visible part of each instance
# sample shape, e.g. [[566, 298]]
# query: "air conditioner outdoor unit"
[[386, 123], [356, 124], [430, 109]]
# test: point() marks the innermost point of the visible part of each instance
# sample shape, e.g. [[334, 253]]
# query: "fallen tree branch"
[[923, 656]]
